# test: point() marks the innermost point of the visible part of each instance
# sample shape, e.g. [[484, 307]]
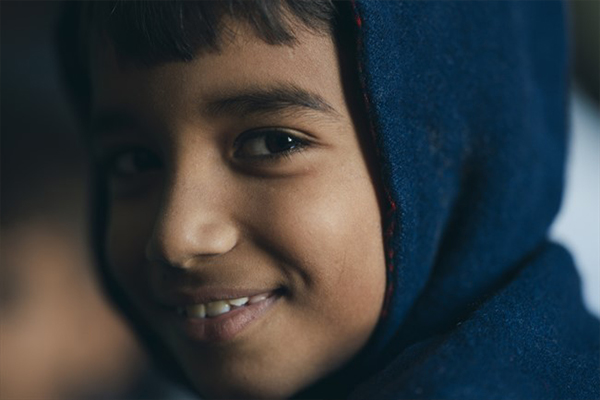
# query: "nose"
[[191, 225]]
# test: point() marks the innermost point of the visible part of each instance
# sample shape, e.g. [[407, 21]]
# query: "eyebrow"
[[276, 99], [286, 98]]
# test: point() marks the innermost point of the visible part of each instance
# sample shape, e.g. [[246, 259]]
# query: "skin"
[[209, 213]]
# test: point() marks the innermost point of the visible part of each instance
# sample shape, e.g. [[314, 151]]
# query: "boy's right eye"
[[130, 162]]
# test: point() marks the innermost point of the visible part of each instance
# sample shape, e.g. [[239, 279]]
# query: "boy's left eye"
[[267, 143]]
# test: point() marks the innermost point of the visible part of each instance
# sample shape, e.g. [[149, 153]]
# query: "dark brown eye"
[[130, 162], [267, 143]]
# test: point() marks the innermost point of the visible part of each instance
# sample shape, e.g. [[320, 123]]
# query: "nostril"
[[158, 256], [184, 248]]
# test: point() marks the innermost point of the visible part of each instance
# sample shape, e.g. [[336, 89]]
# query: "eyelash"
[[109, 163], [246, 137]]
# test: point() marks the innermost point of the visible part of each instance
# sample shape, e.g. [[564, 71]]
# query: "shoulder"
[[531, 339]]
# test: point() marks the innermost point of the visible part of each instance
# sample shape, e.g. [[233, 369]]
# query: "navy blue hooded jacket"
[[467, 102], [467, 107]]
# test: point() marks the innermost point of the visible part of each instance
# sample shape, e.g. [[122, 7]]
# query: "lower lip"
[[225, 326]]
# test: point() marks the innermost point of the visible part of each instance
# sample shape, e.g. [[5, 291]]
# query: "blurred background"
[[59, 339], [577, 225]]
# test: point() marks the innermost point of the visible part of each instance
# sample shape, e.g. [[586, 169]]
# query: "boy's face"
[[242, 173]]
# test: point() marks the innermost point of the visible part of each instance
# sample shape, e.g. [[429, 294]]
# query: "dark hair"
[[148, 33]]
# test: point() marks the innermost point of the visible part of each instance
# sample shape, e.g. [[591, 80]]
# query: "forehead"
[[245, 62]]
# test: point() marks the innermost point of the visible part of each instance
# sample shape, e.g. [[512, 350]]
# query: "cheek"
[[328, 230], [130, 226]]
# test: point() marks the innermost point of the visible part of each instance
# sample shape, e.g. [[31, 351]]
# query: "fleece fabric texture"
[[467, 102]]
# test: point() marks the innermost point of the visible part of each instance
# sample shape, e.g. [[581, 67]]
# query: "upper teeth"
[[215, 308]]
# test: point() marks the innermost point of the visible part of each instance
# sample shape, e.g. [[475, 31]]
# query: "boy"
[[267, 245]]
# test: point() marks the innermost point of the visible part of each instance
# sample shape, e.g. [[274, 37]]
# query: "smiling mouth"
[[220, 307], [219, 321]]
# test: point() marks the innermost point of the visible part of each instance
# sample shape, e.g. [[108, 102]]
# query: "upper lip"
[[178, 298]]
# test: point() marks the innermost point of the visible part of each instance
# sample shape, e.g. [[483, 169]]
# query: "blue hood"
[[468, 108]]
